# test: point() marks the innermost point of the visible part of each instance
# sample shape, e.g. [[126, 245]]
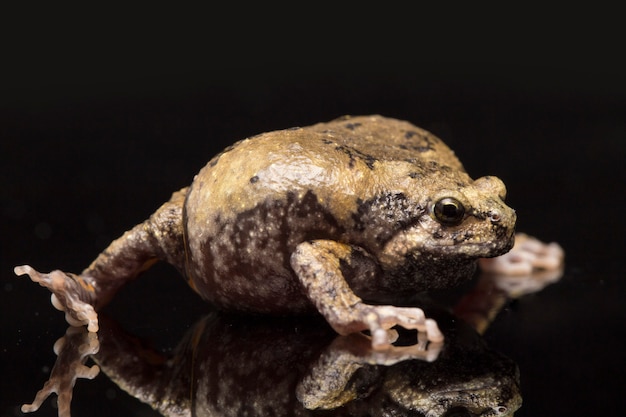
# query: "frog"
[[347, 218]]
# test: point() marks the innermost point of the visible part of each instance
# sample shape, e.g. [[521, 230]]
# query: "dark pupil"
[[450, 210]]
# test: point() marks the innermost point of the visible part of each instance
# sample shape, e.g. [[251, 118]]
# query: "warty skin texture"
[[337, 217]]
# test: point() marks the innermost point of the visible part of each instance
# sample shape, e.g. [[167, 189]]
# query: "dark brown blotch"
[[214, 161], [352, 126], [427, 142], [354, 154], [381, 217]]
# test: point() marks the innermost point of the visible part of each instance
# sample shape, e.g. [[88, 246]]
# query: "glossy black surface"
[[95, 135]]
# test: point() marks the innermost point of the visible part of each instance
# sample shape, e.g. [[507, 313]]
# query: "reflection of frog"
[[234, 366], [347, 217]]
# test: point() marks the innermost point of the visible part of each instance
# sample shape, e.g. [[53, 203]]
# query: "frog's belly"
[[242, 261], [264, 284], [246, 266]]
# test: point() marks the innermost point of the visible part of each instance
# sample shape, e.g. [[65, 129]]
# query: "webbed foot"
[[70, 293], [527, 256], [72, 352]]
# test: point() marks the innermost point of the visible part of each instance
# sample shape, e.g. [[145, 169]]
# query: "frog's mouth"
[[432, 240], [473, 248]]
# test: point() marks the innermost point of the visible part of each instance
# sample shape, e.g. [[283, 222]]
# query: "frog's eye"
[[449, 211]]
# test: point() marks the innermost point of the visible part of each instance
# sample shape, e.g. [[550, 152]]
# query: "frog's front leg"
[[159, 237], [318, 266]]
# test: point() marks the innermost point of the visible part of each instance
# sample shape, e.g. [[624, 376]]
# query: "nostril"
[[494, 216]]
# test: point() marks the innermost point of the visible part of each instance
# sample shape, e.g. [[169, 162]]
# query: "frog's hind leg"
[[158, 238]]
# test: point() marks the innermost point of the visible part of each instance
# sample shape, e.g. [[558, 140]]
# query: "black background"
[[104, 114]]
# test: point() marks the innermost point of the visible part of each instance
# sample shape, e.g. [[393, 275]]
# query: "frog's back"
[[327, 158], [252, 204], [387, 139]]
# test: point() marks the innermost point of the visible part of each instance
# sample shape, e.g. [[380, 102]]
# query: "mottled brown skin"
[[315, 217]]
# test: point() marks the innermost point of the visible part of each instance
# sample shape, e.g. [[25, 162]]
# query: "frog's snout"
[[491, 185], [496, 211]]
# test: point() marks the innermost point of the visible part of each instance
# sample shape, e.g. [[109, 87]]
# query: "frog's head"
[[473, 220], [464, 221]]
